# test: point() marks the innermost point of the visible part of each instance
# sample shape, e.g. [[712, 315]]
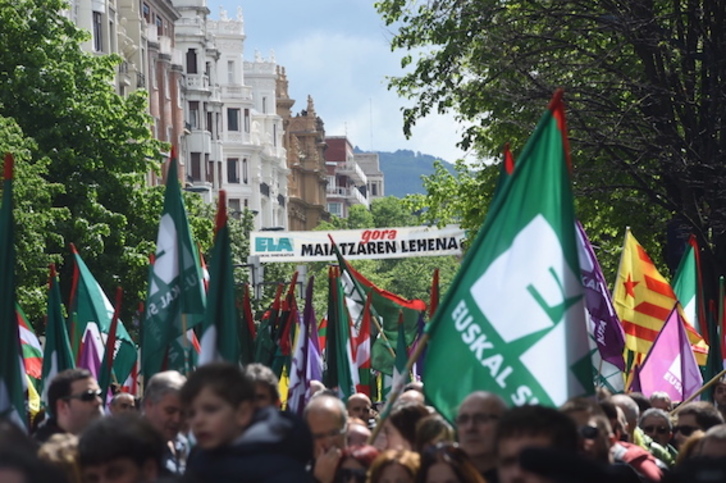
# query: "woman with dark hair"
[[354, 464], [399, 430], [446, 463]]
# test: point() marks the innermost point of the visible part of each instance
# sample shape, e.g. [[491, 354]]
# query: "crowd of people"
[[223, 423]]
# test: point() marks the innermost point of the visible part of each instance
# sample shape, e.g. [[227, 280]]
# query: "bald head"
[[327, 418], [359, 406], [475, 425], [122, 402]]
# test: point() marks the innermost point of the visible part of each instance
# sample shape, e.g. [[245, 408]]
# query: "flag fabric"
[[362, 352], [248, 332], [643, 300], [176, 293], [265, 344], [687, 286], [323, 333], [89, 304], [670, 365], [339, 371], [385, 307], [57, 354], [91, 350], [306, 362], [30, 345], [605, 333], [106, 370], [400, 374], [220, 338], [12, 375], [505, 170], [513, 321]]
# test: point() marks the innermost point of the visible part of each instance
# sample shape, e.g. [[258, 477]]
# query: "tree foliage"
[[643, 82]]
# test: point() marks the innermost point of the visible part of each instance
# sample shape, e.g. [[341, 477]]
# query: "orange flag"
[[643, 300]]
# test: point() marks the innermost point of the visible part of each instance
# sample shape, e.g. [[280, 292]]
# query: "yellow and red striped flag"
[[643, 300]]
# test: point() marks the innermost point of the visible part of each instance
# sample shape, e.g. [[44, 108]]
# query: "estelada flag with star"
[[643, 299]]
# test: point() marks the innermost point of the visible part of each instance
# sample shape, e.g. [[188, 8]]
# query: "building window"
[[196, 162], [146, 12], [208, 127], [274, 135], [247, 203], [194, 114], [97, 32], [234, 207], [247, 120], [191, 61], [230, 72], [245, 178], [232, 119], [159, 26], [233, 170], [167, 87], [335, 209], [374, 189], [264, 105]]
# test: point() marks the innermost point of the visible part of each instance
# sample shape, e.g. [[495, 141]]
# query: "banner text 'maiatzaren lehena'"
[[315, 246]]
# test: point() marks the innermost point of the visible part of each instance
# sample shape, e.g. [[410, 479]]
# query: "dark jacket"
[[46, 429], [275, 448]]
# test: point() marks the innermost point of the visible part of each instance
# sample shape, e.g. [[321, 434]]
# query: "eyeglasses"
[[589, 432], [685, 430], [86, 396], [656, 429], [476, 418], [329, 434], [356, 474]]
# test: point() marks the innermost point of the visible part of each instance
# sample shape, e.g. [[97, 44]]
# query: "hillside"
[[403, 170]]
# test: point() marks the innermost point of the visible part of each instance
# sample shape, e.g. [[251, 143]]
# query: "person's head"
[[661, 400], [531, 426], [642, 401], [121, 449], [61, 451], [74, 399], [267, 385], [122, 402], [630, 409], [476, 420], [693, 416], [219, 402], [411, 396], [395, 466], [328, 419], [657, 424], [161, 403], [359, 406], [713, 443], [354, 463], [400, 427], [357, 433], [719, 392], [690, 447], [17, 465], [596, 435], [445, 463], [432, 430]]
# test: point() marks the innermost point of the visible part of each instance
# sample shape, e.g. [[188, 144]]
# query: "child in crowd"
[[236, 442]]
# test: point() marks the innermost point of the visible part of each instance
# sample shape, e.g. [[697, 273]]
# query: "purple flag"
[[92, 347], [604, 325], [306, 362], [419, 365], [670, 365]]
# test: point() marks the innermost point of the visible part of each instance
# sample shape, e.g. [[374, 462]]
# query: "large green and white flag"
[[513, 321], [176, 299], [57, 354], [686, 285]]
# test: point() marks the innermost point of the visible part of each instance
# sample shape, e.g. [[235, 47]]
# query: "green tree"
[[645, 108]]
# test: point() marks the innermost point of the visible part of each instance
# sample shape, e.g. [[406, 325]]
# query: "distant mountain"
[[403, 169]]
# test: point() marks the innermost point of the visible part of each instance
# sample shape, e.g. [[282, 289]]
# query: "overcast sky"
[[338, 52]]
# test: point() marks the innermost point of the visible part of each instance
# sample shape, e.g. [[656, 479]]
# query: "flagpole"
[[398, 387], [703, 388]]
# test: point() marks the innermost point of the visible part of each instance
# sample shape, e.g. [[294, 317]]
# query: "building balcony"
[[198, 82], [351, 195], [354, 171], [236, 92]]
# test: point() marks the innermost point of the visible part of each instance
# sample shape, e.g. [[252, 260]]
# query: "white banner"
[[371, 243]]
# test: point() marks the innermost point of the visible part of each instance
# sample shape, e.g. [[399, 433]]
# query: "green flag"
[[105, 375], [400, 374], [175, 299], [12, 375], [339, 373], [686, 285], [220, 331], [89, 304], [57, 354], [513, 321]]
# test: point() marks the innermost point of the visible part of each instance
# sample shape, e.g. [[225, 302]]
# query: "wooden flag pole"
[[693, 396], [398, 387]]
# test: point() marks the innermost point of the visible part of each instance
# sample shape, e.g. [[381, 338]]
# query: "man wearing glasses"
[[74, 400], [656, 424], [328, 420], [699, 415], [475, 424]]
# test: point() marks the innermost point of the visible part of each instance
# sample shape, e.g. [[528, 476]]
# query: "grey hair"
[[658, 413], [321, 401], [161, 384]]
